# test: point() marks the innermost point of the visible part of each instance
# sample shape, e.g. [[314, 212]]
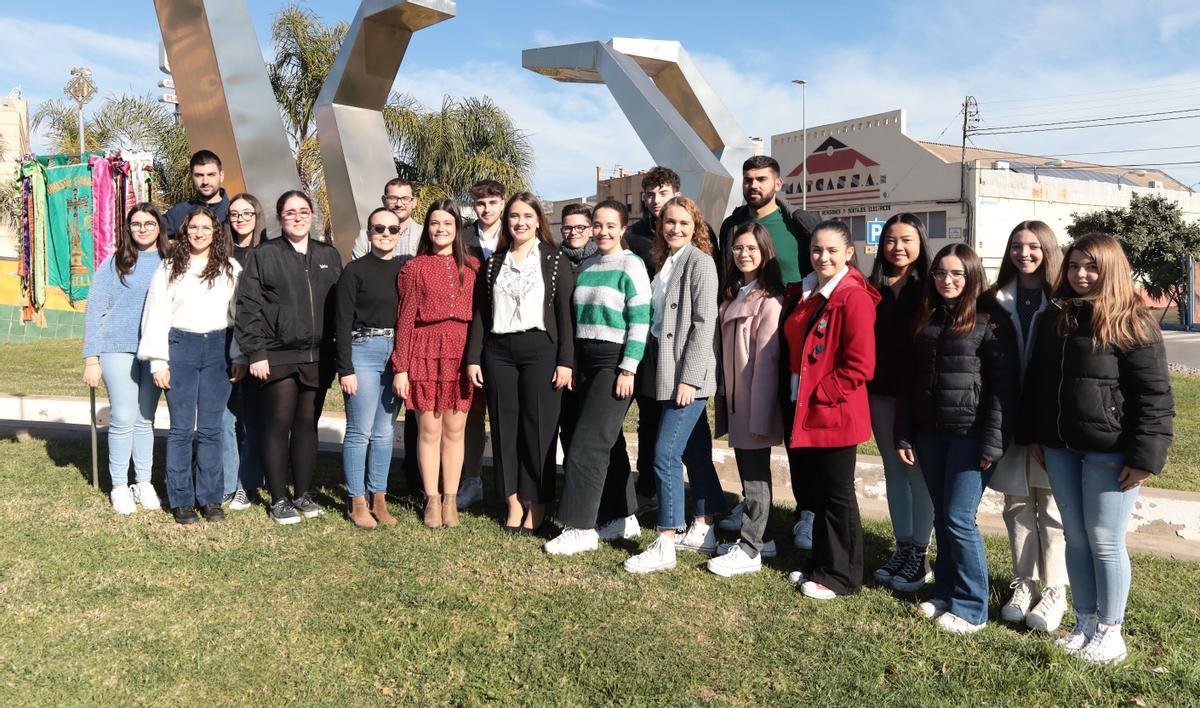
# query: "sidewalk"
[[1165, 522]]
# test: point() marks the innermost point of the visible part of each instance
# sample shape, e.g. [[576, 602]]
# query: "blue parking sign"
[[874, 232]]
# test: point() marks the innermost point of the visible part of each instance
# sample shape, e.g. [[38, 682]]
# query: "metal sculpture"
[[356, 151], [670, 105]]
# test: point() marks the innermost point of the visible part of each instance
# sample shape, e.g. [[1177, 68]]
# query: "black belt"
[[365, 332]]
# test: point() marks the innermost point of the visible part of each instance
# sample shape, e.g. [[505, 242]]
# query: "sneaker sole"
[[816, 596], [239, 507], [286, 522], [1107, 662], [644, 571], [309, 514], [911, 586], [569, 553], [730, 572], [1039, 624]]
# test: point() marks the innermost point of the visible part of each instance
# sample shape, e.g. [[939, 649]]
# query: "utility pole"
[[803, 142]]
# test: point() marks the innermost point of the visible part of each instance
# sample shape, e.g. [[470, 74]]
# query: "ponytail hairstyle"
[[1052, 257], [770, 278], [974, 286], [458, 249], [126, 254], [841, 229], [219, 253], [1119, 317], [622, 216], [700, 238]]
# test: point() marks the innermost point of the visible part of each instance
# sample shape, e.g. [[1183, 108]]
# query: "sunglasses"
[[380, 228]]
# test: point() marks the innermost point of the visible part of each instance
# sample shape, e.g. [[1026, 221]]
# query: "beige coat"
[[750, 362], [1018, 471]]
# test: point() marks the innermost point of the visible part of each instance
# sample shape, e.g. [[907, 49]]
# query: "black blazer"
[[557, 309]]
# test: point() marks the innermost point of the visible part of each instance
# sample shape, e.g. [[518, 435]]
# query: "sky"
[[1025, 61]]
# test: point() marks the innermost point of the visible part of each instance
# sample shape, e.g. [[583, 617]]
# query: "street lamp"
[[1136, 173], [80, 89], [803, 142]]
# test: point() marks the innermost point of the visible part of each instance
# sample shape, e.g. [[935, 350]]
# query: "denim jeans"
[[197, 398], [1095, 514], [132, 401], [241, 459], [370, 418], [909, 503], [955, 482], [675, 445]]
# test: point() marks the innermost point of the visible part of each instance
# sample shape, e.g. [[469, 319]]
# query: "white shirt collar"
[[810, 283]]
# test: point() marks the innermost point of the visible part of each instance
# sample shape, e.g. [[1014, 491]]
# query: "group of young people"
[[1050, 385]]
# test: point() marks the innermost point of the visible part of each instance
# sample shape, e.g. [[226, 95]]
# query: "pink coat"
[[750, 359]]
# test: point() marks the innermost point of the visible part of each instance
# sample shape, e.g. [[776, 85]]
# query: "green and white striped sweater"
[[612, 304]]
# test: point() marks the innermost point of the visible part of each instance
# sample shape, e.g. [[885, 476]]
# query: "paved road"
[[1183, 348]]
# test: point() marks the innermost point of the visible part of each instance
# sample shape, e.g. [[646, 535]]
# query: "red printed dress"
[[431, 332]]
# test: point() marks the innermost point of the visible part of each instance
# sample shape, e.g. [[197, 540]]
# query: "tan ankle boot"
[[380, 510], [359, 514], [450, 510], [433, 511]]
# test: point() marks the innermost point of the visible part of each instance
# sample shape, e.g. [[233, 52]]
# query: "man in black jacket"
[[659, 186], [207, 177]]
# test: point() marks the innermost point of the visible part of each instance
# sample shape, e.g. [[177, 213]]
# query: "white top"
[[187, 304], [809, 285], [488, 243], [658, 290], [742, 291], [519, 295]]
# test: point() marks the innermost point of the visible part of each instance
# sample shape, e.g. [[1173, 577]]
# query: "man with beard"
[[204, 169], [790, 232], [399, 198]]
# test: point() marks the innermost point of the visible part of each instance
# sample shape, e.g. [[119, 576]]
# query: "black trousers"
[[795, 463], [837, 553], [598, 416], [518, 371], [290, 411]]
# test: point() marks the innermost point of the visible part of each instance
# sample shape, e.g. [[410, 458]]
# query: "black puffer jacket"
[[962, 386], [1097, 401]]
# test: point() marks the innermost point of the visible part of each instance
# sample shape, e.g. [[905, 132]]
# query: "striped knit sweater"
[[612, 304]]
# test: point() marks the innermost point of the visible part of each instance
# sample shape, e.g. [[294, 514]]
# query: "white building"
[[867, 169]]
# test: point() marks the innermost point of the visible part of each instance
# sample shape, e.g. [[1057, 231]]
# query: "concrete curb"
[[1165, 522]]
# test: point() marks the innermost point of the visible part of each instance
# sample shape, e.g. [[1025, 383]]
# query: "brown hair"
[[125, 255], [260, 220], [485, 188], [219, 252], [968, 302], [426, 246], [770, 278], [543, 229], [1119, 317], [839, 227], [622, 216], [1052, 257], [660, 250]]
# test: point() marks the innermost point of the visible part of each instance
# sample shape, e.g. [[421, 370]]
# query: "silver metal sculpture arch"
[[672, 108], [356, 151]]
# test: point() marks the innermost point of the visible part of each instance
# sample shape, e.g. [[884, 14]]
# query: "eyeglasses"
[[380, 228], [953, 275], [241, 215], [745, 249], [143, 225], [577, 230], [389, 199], [302, 215], [205, 230]]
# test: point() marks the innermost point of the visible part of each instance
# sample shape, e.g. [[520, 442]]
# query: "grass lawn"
[[54, 368], [102, 608]]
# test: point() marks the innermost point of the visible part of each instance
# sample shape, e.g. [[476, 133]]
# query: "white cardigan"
[[188, 304]]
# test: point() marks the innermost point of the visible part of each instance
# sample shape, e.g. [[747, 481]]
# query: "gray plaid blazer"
[[688, 347]]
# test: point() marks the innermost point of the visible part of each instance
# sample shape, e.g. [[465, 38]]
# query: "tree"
[[1156, 239]]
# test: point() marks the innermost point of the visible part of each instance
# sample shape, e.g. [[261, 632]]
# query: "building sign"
[[874, 233], [837, 174]]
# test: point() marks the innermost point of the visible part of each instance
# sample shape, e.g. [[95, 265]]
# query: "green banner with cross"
[[69, 246]]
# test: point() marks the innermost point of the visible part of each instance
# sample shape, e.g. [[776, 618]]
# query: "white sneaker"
[[122, 500], [1106, 646], [572, 541], [1085, 628], [659, 555], [1049, 611], [699, 538], [470, 492], [733, 522], [769, 550], [240, 500], [144, 494], [797, 577], [627, 527], [817, 591], [802, 531], [1017, 607], [957, 625], [933, 609], [735, 561]]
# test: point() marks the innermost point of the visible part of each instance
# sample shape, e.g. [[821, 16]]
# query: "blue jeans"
[[909, 503], [241, 462], [955, 482], [1095, 514], [132, 401], [675, 445], [370, 418], [199, 392]]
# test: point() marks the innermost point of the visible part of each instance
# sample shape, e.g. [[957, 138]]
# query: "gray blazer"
[[687, 350]]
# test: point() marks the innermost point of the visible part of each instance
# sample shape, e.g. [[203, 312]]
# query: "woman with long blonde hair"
[[1098, 404]]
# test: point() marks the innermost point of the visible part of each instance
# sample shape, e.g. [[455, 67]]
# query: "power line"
[[1133, 91], [1116, 152], [1096, 125], [1091, 120], [1172, 101]]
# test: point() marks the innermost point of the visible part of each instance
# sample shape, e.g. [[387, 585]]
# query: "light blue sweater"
[[113, 321]]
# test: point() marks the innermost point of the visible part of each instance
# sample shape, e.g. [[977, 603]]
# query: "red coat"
[[835, 358]]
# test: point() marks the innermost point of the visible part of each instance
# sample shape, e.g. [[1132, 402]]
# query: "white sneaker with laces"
[[957, 625], [769, 549], [1017, 607], [817, 591], [659, 555], [122, 500], [470, 492], [144, 494], [240, 500], [733, 522], [802, 531], [933, 609], [1081, 634], [1106, 646], [699, 537], [627, 527], [572, 541], [1049, 611], [735, 561]]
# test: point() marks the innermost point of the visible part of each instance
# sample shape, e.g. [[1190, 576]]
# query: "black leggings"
[[290, 411]]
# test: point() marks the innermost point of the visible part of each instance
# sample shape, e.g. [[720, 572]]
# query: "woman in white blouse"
[[185, 336], [522, 343]]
